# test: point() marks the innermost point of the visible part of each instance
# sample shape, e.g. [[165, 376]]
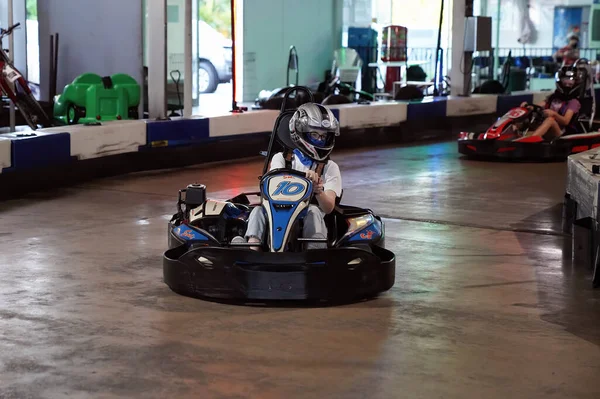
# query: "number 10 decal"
[[288, 188]]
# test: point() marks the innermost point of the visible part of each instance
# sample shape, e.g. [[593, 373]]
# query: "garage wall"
[[270, 27], [103, 37]]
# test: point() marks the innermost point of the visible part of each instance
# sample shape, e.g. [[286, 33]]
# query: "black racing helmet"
[[313, 128], [571, 80]]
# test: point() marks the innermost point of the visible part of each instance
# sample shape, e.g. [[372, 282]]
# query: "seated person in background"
[[562, 106], [569, 54]]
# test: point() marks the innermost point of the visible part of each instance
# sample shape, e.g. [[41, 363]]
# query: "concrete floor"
[[486, 303]]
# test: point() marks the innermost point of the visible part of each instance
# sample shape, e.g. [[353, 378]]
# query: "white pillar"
[[460, 75], [338, 23], [157, 59], [238, 73], [20, 35], [188, 102]]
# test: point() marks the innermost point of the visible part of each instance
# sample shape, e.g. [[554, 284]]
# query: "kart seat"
[[585, 115], [282, 136], [283, 129]]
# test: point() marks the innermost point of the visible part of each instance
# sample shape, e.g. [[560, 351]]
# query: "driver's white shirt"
[[332, 179]]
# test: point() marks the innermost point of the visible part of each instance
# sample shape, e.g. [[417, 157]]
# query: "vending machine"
[[393, 50]]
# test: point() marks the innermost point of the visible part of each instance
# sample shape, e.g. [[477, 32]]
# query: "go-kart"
[[203, 262], [507, 138]]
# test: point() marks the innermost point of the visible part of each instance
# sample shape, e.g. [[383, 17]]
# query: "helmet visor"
[[567, 81], [320, 139]]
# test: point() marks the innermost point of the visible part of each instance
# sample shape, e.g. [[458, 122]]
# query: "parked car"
[[214, 53], [214, 61]]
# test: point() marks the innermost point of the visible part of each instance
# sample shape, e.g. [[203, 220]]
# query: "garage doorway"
[[211, 56]]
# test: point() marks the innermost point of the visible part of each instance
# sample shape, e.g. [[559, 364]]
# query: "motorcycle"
[[14, 86]]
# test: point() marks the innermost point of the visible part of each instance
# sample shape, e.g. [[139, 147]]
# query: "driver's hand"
[[318, 188], [549, 112], [524, 104], [312, 176]]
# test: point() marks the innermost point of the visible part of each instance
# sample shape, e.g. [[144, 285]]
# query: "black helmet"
[[571, 80], [313, 129]]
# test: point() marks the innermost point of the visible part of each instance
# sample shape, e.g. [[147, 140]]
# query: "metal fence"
[[534, 60]]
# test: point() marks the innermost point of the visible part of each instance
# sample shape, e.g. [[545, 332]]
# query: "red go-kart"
[[508, 139]]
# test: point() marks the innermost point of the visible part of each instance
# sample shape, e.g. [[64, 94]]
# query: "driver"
[[313, 129], [563, 105]]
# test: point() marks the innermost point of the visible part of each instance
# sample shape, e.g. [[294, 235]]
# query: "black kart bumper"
[[242, 274], [540, 151]]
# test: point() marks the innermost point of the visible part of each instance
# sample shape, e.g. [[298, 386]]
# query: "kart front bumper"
[[242, 274]]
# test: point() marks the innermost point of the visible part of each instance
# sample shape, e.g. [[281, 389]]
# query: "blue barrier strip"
[[426, 109], [176, 133], [336, 113], [34, 151]]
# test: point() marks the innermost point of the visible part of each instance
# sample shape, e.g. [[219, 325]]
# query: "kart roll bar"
[[590, 84], [293, 89], [284, 108]]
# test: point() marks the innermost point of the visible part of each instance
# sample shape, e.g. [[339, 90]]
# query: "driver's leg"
[[556, 130], [548, 124], [315, 227], [256, 227]]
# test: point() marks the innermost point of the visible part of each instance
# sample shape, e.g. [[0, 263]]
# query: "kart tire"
[[72, 110], [133, 113]]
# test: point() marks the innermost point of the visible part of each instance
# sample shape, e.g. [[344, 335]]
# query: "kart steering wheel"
[[536, 108], [537, 112]]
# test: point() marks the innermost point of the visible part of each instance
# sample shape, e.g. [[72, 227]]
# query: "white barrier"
[[540, 96], [477, 104], [110, 138], [376, 114], [118, 137], [244, 123], [5, 153]]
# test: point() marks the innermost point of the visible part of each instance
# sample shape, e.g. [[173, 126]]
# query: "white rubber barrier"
[[244, 123], [476, 104], [110, 138], [539, 96], [362, 116], [5, 155]]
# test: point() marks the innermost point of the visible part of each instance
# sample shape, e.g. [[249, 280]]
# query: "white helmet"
[[313, 129]]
